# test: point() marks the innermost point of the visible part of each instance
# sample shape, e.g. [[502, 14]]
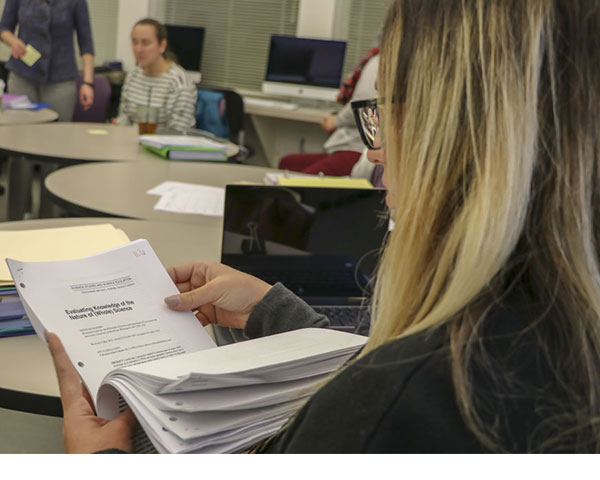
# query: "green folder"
[[189, 153]]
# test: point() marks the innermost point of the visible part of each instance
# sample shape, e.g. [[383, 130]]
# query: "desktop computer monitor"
[[186, 44], [304, 67]]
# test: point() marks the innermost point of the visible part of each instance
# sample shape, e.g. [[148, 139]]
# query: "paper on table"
[[17, 102], [160, 141], [171, 186], [14, 328], [50, 244], [178, 197], [316, 181], [11, 307], [272, 178], [31, 55], [305, 180]]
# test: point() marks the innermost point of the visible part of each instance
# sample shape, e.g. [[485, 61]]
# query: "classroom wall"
[[130, 11], [316, 18]]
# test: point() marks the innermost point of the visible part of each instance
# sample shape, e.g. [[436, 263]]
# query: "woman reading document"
[[486, 313]]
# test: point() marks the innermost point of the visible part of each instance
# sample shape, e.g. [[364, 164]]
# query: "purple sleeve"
[[83, 28], [9, 16]]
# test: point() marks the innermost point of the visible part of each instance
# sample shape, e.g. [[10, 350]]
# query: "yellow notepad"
[[316, 181], [50, 244], [31, 55]]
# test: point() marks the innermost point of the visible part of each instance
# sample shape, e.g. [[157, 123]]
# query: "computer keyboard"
[[308, 282], [348, 318], [262, 102]]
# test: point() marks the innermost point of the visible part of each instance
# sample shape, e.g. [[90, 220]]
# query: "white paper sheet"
[[108, 309], [179, 197]]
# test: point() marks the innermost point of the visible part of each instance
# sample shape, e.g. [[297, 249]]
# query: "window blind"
[[236, 41], [104, 18], [4, 50], [365, 21]]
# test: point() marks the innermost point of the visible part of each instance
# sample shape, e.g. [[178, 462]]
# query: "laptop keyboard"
[[309, 281], [348, 318]]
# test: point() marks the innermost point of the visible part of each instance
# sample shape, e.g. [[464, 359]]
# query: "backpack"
[[210, 113]]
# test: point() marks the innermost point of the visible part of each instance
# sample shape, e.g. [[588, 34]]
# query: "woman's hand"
[[328, 123], [83, 431], [18, 47], [220, 294], [86, 96]]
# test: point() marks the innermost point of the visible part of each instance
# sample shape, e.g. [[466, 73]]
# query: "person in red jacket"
[[343, 147]]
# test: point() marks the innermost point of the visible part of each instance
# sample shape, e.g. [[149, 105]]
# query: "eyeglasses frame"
[[356, 108]]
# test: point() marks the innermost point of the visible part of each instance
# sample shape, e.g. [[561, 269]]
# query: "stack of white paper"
[[224, 399], [16, 102], [161, 141], [188, 395]]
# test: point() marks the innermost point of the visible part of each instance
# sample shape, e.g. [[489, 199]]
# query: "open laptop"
[[321, 243]]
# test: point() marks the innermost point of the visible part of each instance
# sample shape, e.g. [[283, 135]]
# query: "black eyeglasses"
[[366, 115]]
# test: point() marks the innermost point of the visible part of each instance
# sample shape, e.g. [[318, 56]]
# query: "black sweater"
[[401, 397]]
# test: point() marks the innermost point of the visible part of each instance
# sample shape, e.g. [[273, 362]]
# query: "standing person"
[[486, 316], [343, 148], [158, 80], [48, 27]]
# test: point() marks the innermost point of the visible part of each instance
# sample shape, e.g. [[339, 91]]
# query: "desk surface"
[[300, 114], [73, 142], [309, 114], [119, 189], [27, 117], [30, 383]]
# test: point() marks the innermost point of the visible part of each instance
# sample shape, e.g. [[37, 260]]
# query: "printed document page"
[[180, 197], [108, 310]]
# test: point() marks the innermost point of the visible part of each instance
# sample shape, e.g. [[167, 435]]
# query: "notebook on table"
[[321, 243]]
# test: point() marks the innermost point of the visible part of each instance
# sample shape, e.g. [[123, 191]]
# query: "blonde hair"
[[490, 125]]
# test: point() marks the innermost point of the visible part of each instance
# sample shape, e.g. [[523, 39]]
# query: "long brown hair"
[[491, 133]]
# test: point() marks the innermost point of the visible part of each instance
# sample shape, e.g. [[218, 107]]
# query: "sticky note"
[[325, 182], [97, 131], [31, 55]]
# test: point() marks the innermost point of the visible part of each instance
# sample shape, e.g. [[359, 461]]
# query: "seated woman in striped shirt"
[[156, 81]]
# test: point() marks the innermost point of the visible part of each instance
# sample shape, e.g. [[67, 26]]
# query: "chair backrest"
[[210, 113], [97, 112], [3, 72], [234, 111], [221, 112]]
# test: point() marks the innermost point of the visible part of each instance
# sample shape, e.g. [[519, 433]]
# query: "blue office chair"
[[98, 111]]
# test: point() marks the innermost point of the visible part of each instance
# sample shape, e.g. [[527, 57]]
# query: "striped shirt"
[[172, 92]]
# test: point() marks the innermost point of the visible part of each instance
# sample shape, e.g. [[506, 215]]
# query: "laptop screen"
[[319, 242]]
